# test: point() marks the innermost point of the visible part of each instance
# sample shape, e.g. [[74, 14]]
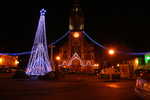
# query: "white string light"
[[39, 61]]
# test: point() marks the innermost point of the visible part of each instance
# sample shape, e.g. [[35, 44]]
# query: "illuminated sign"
[[147, 58]]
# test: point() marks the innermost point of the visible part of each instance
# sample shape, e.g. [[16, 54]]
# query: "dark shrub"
[[48, 76], [20, 74]]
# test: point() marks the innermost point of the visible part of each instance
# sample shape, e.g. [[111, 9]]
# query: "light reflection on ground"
[[113, 85]]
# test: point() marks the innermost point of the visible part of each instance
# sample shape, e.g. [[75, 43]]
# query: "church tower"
[[77, 54], [76, 19], [76, 26]]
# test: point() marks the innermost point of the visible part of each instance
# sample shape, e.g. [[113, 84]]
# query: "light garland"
[[120, 52], [39, 61], [94, 41]]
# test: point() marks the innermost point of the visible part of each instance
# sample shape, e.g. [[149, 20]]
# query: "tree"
[[39, 64]]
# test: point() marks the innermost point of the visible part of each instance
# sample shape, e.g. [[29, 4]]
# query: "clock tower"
[[77, 54]]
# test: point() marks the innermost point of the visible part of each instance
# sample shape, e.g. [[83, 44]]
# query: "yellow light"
[[136, 61], [113, 85], [111, 52], [16, 62], [96, 65], [1, 60], [58, 58], [76, 34], [118, 65], [65, 66]]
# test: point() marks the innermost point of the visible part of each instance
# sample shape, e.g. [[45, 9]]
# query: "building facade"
[[77, 54], [7, 61]]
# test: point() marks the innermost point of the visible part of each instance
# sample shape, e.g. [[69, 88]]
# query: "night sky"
[[123, 26]]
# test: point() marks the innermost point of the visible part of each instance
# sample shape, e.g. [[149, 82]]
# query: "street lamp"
[[52, 46], [111, 52], [58, 58], [118, 65]]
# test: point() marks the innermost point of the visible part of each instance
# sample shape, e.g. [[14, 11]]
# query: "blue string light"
[[139, 53], [39, 63], [16, 54], [120, 52], [29, 52], [94, 41], [58, 40], [53, 43]]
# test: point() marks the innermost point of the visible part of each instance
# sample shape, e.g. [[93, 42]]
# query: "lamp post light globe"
[[58, 58], [111, 52]]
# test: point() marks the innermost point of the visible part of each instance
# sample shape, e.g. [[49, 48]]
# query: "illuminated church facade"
[[77, 54]]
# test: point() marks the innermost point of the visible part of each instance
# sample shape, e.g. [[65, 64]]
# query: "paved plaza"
[[72, 87]]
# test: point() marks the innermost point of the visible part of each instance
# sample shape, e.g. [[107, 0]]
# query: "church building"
[[77, 54]]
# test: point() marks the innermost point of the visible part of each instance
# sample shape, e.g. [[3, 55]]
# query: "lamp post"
[[52, 62], [111, 52], [110, 73], [58, 58]]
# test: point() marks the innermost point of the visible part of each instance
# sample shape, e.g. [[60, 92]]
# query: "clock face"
[[76, 34]]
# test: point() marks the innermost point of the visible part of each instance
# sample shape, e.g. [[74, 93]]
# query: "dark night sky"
[[126, 25]]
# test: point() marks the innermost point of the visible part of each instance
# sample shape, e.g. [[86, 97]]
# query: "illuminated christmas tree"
[[39, 64]]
